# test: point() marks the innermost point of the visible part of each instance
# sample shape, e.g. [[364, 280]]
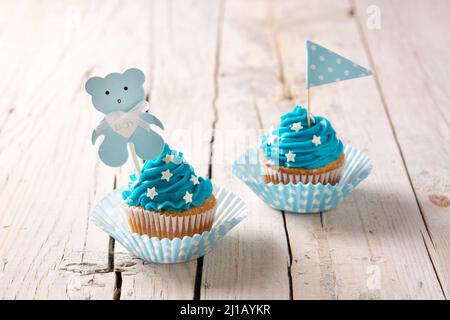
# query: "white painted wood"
[[372, 246], [182, 54], [239, 74], [417, 99], [251, 261], [50, 175]]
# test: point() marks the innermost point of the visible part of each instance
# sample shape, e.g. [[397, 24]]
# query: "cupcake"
[[296, 153], [169, 200]]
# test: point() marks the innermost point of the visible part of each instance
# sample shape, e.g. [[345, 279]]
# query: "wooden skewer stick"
[[135, 160], [307, 104]]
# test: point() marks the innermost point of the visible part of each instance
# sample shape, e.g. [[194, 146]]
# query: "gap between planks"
[[427, 239], [199, 268], [289, 266], [287, 95], [199, 272]]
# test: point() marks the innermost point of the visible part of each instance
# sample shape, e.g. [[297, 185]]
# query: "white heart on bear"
[[123, 124]]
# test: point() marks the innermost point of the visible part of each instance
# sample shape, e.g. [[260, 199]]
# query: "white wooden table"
[[226, 65]]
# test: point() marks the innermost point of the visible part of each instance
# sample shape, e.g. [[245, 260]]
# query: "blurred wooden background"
[[227, 64]]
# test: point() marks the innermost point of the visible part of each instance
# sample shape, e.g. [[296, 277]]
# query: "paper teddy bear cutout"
[[121, 98]]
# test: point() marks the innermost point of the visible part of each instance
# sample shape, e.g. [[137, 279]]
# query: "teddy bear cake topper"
[[121, 98]]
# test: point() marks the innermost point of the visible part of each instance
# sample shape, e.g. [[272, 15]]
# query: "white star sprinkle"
[[194, 180], [316, 140], [271, 139], [165, 175], [151, 193], [188, 197], [290, 156], [168, 158], [296, 126]]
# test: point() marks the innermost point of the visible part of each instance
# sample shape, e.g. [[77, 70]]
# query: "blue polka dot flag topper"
[[324, 66]]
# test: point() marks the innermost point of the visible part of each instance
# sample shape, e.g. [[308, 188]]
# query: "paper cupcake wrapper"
[[110, 216], [165, 226], [300, 197], [281, 177]]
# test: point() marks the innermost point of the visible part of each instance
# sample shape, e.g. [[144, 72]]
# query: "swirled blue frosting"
[[167, 183], [295, 145]]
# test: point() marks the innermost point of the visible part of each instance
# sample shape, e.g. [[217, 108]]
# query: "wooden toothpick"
[[135, 160], [307, 104]]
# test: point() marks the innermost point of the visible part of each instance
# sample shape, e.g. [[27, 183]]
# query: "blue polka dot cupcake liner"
[[300, 197], [110, 216]]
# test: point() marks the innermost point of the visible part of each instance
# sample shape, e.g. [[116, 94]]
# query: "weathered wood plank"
[[50, 176], [252, 261], [372, 246], [417, 101], [236, 75], [181, 74]]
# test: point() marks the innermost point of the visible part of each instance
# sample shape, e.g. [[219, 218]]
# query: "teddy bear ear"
[[135, 74], [92, 84]]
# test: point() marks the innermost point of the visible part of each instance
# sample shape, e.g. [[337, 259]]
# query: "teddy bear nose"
[[119, 101]]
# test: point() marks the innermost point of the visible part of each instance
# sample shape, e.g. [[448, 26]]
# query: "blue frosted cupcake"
[[169, 200], [296, 153]]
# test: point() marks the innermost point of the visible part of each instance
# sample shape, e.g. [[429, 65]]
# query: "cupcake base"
[[109, 216], [330, 173], [171, 224], [303, 198]]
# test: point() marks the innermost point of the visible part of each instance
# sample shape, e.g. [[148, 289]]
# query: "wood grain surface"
[[219, 74]]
